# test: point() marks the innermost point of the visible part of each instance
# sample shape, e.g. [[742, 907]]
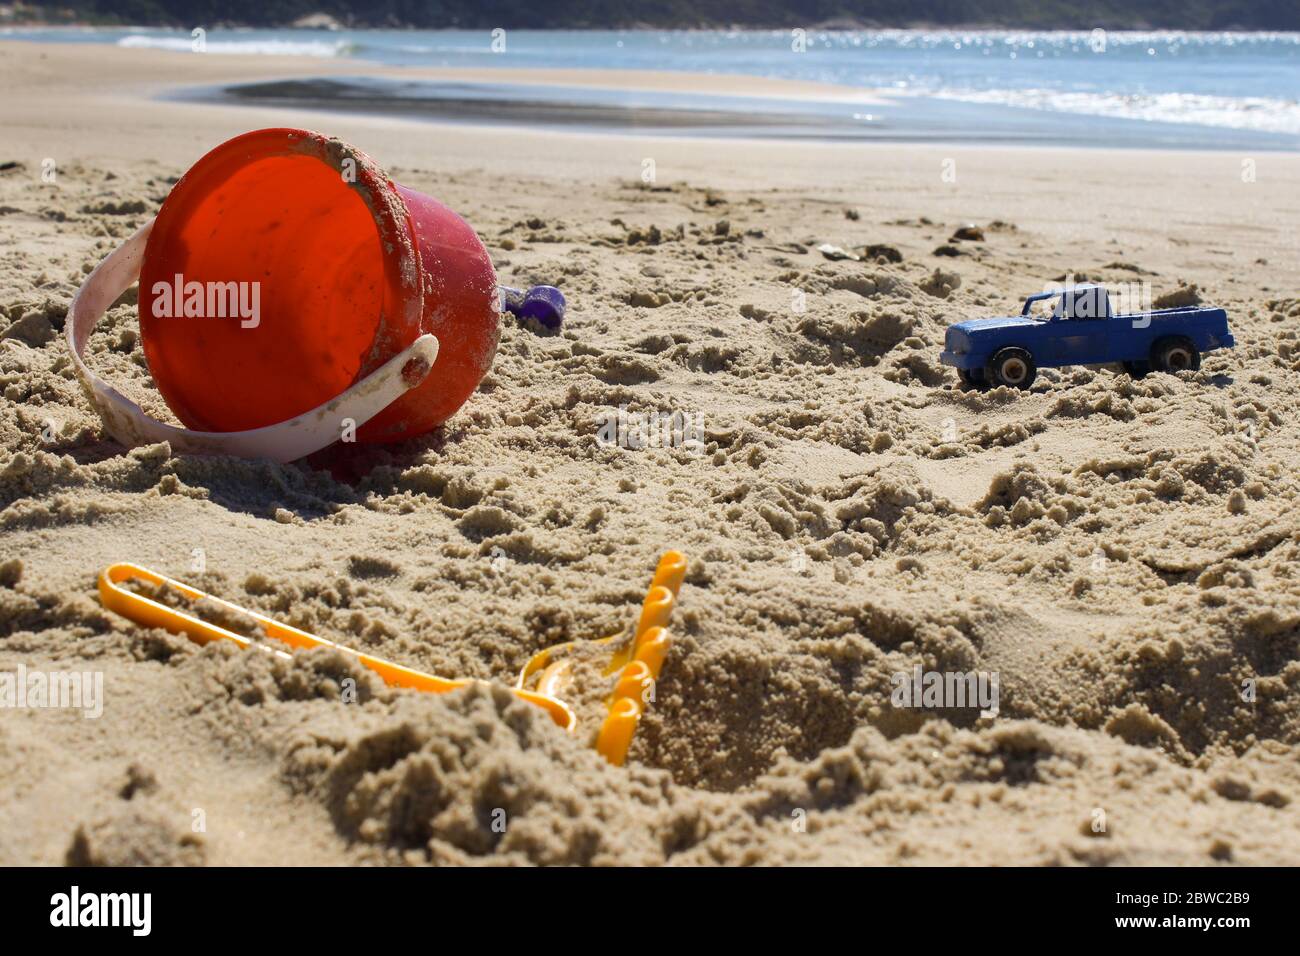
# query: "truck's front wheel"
[[1175, 354], [1014, 367]]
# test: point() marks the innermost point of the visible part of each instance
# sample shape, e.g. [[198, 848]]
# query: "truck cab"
[[1084, 312]]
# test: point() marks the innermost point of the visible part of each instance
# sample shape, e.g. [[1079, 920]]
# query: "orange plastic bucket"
[[285, 266]]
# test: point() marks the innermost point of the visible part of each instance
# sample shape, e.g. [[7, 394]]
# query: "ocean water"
[[1206, 90]]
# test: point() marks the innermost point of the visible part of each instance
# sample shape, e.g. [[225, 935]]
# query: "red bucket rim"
[[402, 272]]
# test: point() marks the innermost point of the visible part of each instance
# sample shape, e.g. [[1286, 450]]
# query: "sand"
[[1123, 554]]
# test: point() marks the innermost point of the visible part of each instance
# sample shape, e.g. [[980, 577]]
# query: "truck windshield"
[[1076, 302], [1040, 297]]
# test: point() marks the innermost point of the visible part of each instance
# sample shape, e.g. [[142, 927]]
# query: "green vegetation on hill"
[[576, 14]]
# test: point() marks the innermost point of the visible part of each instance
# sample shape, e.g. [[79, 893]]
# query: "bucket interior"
[[312, 289]]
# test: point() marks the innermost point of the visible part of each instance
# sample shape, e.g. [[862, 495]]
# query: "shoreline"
[[545, 106], [106, 100], [226, 67], [83, 100], [639, 102]]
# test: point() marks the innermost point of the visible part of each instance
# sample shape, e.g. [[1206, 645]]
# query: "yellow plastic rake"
[[637, 662], [640, 659]]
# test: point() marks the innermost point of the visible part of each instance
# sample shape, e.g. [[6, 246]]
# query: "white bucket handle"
[[287, 441]]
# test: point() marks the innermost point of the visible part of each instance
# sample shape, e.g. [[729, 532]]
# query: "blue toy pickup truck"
[[1081, 331]]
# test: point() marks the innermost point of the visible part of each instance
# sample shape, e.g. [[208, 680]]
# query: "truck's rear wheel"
[[1175, 354], [1014, 367], [973, 377], [1137, 369]]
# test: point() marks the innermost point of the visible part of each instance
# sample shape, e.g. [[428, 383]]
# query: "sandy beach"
[[1124, 554]]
